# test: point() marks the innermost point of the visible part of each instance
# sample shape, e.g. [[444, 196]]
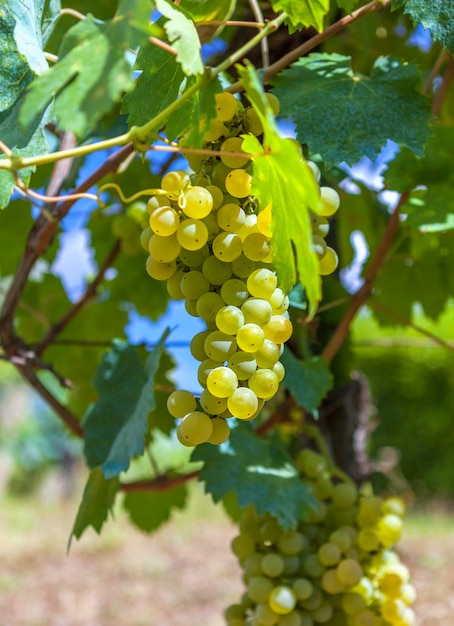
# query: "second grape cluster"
[[211, 241]]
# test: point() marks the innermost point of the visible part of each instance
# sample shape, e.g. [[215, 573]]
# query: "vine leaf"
[[92, 72], [308, 380], [97, 500], [347, 5], [149, 510], [432, 209], [183, 36], [259, 471], [157, 86], [438, 17], [115, 427], [344, 116], [283, 179], [303, 13]]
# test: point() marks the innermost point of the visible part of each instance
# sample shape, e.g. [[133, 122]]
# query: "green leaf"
[[259, 471], [347, 5], [14, 223], [149, 510], [183, 36], [157, 86], [208, 10], [195, 115], [283, 179], [303, 13], [91, 74], [438, 17], [97, 500], [308, 380], [434, 170], [115, 427], [343, 116]]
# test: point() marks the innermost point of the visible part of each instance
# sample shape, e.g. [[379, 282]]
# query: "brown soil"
[[184, 575]]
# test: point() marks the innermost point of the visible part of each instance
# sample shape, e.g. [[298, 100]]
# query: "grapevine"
[[212, 242], [338, 567]]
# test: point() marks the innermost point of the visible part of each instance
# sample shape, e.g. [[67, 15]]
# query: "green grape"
[[328, 263], [234, 611], [217, 195], [227, 246], [219, 175], [311, 463], [252, 566], [192, 234], [319, 245], [292, 565], [243, 403], [252, 123], [273, 102], [314, 601], [196, 202], [234, 291], [194, 284], [250, 338], [265, 616], [396, 506], [270, 531], [256, 311], [268, 355], [259, 588], [164, 249], [344, 495], [145, 236], [208, 305], [282, 599], [160, 271], [217, 129], [243, 546], [320, 225], [340, 537], [217, 272], [204, 369], [264, 221], [173, 285], [243, 364], [312, 566], [264, 383], [242, 266], [222, 382], [329, 201], [250, 226], [279, 329], [212, 405], [331, 583], [329, 554], [197, 345], [233, 144], [257, 247], [229, 319], [272, 565], [365, 618], [408, 593], [352, 603], [369, 512], [226, 106], [238, 183], [393, 578], [191, 307], [194, 258], [291, 542], [212, 225], [279, 370], [389, 529], [368, 540], [262, 283], [195, 428], [156, 201], [180, 403], [349, 572], [303, 588], [164, 221], [219, 346], [295, 618], [175, 181], [231, 217]]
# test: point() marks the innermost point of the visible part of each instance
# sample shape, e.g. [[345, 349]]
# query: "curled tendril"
[[125, 199]]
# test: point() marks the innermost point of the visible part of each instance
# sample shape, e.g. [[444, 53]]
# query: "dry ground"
[[184, 575]]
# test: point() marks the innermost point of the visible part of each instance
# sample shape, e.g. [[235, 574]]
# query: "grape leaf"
[[156, 87], [437, 16], [97, 500], [308, 380], [183, 36], [303, 13], [22, 57], [347, 5], [282, 178], [92, 72], [434, 170], [149, 510], [115, 427], [343, 116], [208, 10], [259, 471], [14, 224]]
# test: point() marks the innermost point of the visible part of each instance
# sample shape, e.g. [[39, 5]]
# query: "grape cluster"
[[211, 242], [337, 568]]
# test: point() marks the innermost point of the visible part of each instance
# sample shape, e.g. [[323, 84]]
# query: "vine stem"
[[364, 293], [160, 483]]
